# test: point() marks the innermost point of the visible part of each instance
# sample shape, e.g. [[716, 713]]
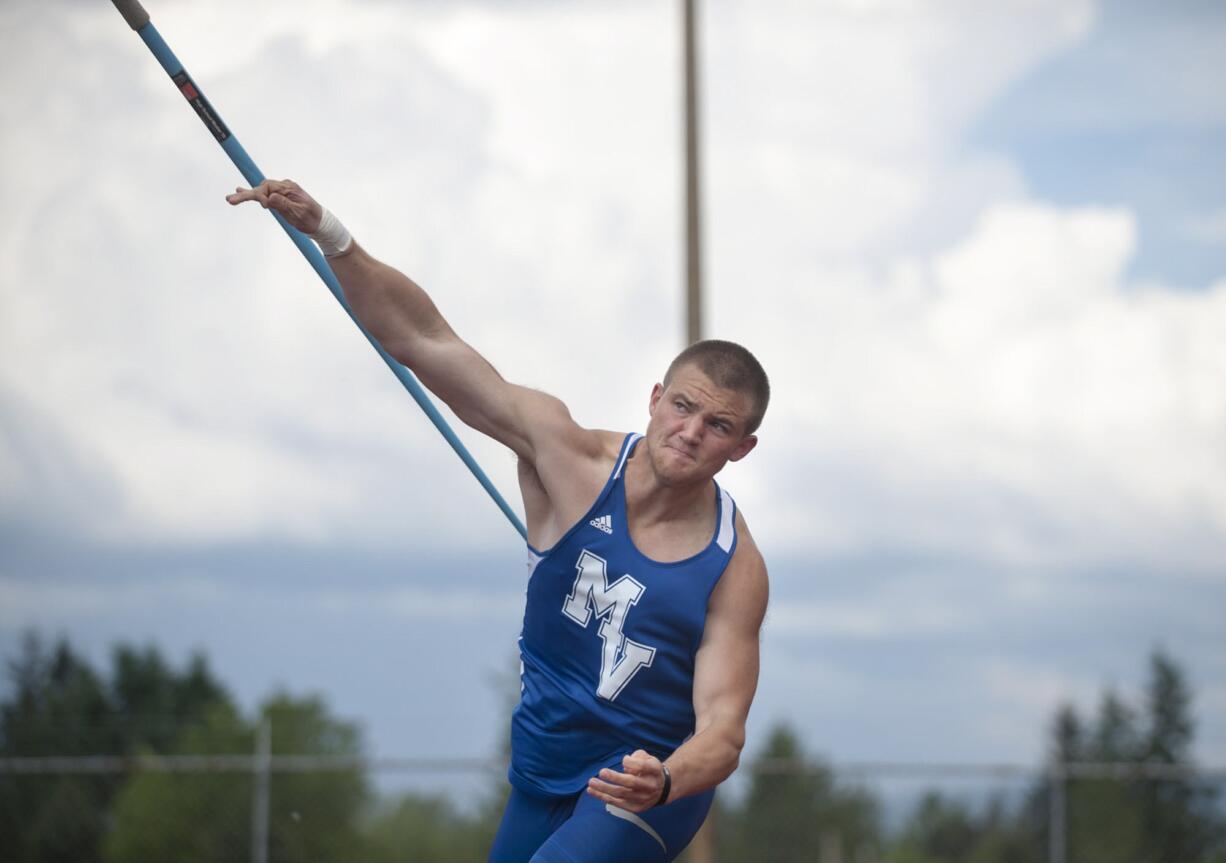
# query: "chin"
[[671, 477], [673, 467], [680, 472], [668, 467]]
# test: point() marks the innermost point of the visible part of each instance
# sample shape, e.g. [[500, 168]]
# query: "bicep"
[[518, 417], [403, 319], [726, 667]]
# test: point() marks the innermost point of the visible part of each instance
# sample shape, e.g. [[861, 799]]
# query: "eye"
[[680, 406]]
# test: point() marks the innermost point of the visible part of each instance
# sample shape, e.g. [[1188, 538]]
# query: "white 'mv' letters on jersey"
[[584, 698], [592, 592]]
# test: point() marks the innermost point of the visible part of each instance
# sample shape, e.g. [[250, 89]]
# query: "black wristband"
[[668, 785]]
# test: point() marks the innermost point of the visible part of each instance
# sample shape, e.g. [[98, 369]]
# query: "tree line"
[[1128, 820], [58, 704]]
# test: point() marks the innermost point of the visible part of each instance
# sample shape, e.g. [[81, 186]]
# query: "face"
[[696, 427]]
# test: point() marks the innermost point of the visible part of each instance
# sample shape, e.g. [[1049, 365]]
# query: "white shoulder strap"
[[626, 447], [727, 520]]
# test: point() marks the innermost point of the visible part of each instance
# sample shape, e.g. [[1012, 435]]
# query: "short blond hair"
[[730, 367]]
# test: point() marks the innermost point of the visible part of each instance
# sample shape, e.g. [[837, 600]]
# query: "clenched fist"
[[637, 789]]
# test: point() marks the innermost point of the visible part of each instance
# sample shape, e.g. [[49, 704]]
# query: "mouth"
[[681, 452]]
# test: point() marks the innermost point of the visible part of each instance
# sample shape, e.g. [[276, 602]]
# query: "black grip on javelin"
[[132, 12]]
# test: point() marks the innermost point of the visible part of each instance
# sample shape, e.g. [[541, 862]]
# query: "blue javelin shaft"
[[138, 19]]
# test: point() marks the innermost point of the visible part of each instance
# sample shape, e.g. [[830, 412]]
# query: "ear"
[[656, 392], [744, 447]]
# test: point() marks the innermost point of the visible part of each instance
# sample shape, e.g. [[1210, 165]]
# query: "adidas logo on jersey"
[[603, 522]]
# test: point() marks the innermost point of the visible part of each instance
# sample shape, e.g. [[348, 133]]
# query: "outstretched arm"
[[406, 322], [725, 679]]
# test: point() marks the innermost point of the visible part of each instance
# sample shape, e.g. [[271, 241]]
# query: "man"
[[647, 593]]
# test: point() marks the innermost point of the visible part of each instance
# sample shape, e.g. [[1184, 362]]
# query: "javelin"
[[138, 20]]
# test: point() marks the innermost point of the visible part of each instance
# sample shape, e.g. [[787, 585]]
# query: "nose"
[[691, 431]]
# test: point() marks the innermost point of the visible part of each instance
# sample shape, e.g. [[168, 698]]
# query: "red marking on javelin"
[[190, 92]]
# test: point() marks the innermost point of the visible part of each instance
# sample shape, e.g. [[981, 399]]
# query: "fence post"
[[1057, 814], [261, 769], [830, 846], [702, 848]]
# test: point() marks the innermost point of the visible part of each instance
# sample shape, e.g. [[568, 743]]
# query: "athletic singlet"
[[608, 645]]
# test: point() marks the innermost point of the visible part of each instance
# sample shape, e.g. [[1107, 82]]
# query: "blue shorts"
[[582, 829]]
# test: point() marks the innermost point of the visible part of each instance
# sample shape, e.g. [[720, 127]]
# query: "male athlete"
[[647, 593]]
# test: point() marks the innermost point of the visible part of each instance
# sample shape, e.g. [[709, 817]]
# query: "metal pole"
[[702, 848], [138, 20], [1056, 816], [262, 771], [693, 201]]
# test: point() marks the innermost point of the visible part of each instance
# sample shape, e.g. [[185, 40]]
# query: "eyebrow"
[[721, 415]]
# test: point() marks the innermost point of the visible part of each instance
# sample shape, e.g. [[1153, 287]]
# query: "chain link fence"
[[281, 808]]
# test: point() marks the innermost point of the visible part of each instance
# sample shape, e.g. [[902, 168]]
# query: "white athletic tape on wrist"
[[332, 236]]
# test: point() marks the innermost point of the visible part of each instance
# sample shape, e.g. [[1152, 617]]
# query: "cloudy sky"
[[980, 248]]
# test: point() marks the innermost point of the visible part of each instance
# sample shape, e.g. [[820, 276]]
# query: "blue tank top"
[[608, 645]]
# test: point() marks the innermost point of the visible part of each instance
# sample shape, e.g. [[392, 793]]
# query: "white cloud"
[[1012, 394], [957, 365], [963, 372]]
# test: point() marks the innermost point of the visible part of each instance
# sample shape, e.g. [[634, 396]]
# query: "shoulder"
[[563, 476], [744, 588], [554, 442], [550, 425], [570, 445], [746, 555]]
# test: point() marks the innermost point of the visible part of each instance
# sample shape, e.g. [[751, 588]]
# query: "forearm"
[[705, 760], [400, 317]]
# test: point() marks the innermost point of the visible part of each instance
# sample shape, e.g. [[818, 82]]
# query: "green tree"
[[188, 817], [1068, 735], [1137, 820], [152, 704], [314, 815], [1177, 814], [944, 830], [794, 805], [60, 706], [941, 829], [1103, 815], [419, 829], [57, 706]]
